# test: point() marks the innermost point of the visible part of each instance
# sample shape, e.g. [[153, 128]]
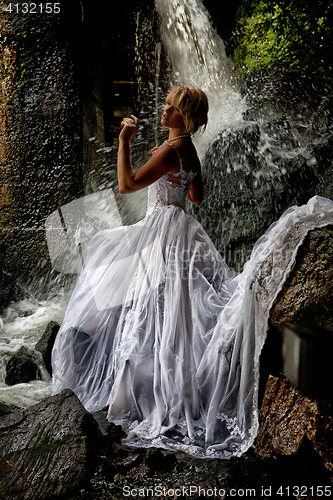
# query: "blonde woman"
[[158, 329]]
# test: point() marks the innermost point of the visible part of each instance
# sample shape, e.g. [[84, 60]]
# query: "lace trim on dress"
[[164, 194]]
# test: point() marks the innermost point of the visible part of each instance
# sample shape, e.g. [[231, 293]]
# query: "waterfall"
[[192, 43], [197, 58]]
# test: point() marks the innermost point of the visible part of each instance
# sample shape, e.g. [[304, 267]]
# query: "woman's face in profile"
[[171, 116]]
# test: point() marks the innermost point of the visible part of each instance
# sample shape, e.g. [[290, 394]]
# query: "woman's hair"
[[192, 103]]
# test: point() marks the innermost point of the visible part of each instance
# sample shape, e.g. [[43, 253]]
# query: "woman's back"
[[172, 188]]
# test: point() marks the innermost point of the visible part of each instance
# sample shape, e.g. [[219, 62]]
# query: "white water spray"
[[197, 57]]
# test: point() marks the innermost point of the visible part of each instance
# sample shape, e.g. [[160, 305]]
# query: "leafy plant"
[[286, 35]]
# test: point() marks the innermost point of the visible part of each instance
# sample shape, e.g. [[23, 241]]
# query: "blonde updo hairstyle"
[[192, 103]]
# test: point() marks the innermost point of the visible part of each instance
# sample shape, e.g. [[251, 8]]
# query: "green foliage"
[[289, 35]]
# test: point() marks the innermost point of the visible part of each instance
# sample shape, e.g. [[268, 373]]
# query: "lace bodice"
[[164, 193]]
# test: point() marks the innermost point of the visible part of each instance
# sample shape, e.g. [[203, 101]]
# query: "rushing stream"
[[197, 57]]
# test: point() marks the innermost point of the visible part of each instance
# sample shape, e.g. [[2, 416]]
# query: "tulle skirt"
[[161, 332]]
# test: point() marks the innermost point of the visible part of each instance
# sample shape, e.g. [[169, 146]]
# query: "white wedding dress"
[[159, 330]]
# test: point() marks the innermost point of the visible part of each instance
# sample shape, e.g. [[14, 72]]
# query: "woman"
[[157, 328], [185, 111]]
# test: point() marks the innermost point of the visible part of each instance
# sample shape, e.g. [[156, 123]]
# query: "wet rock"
[[293, 423], [289, 420], [48, 449], [306, 298], [23, 367], [45, 344], [305, 98], [285, 414], [307, 295], [156, 473], [9, 290], [248, 185], [5, 409], [40, 168]]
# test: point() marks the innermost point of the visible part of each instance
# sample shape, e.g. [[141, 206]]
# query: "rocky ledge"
[[57, 450]]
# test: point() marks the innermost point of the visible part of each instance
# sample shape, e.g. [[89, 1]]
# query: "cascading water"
[[197, 58]]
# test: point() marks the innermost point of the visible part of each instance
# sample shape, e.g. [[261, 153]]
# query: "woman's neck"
[[175, 132]]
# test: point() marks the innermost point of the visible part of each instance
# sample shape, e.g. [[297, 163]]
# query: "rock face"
[[39, 128], [290, 421], [47, 449], [307, 296], [306, 300]]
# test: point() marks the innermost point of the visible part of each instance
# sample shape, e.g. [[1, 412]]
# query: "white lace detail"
[[164, 194]]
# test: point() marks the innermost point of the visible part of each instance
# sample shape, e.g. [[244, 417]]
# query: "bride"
[[158, 329]]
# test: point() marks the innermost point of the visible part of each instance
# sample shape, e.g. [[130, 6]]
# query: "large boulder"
[[289, 419], [305, 301], [47, 450], [307, 295]]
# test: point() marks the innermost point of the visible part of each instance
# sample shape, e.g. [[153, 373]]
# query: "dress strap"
[[180, 160]]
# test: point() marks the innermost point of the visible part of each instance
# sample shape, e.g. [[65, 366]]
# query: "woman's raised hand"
[[130, 128]]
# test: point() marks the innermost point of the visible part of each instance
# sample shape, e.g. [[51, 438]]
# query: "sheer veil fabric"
[[160, 330]]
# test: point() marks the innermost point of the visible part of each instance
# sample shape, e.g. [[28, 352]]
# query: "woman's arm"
[[161, 162]]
